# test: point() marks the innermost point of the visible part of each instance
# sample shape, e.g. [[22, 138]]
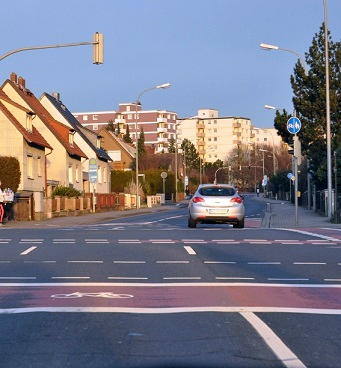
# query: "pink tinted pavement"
[[171, 296]]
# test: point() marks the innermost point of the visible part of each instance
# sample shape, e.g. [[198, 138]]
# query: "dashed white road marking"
[[337, 280], [220, 262], [31, 240], [128, 262], [330, 228], [172, 262], [17, 278], [5, 261], [283, 353], [181, 278], [126, 278], [70, 277], [189, 250], [264, 263], [279, 279], [309, 263], [27, 251], [84, 261], [40, 261], [234, 278]]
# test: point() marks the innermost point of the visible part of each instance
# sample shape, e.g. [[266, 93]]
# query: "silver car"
[[216, 204]]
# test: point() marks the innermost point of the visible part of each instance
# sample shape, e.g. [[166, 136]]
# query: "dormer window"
[[71, 134], [98, 143], [29, 118]]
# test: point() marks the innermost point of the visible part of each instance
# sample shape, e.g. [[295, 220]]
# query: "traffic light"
[[98, 48]]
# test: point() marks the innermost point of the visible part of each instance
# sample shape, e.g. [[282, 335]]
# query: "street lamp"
[[160, 86], [215, 174], [266, 46]]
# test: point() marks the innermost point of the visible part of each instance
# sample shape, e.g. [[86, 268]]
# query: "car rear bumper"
[[202, 214]]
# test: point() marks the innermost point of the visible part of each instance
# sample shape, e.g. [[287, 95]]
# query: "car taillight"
[[198, 199], [236, 200]]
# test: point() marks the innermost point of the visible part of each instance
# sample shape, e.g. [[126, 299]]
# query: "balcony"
[[200, 134], [120, 121], [161, 120], [201, 142], [200, 125], [236, 125], [161, 150], [162, 140], [162, 130], [237, 134]]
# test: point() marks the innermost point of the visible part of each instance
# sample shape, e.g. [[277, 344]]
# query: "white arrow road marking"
[[283, 353], [29, 250]]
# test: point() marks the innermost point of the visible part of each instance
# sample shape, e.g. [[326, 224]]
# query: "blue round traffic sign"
[[290, 175], [294, 125]]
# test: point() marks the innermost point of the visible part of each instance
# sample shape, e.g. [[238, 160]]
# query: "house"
[[88, 141], [63, 163], [20, 138], [121, 153]]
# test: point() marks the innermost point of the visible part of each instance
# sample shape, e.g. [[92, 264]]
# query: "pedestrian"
[[2, 208], [257, 192], [9, 202]]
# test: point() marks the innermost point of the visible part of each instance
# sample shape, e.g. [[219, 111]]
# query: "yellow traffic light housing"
[[98, 48]]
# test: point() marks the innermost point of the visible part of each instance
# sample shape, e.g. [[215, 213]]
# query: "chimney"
[[13, 77], [56, 95], [21, 82]]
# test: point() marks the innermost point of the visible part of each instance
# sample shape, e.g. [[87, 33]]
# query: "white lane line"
[[96, 240], [27, 251], [126, 278], [330, 228], [222, 240], [189, 250], [337, 280], [31, 240], [40, 261], [255, 240], [234, 278], [309, 263], [279, 279], [84, 261], [292, 243], [283, 353], [286, 240], [4, 242], [164, 219], [309, 233], [163, 242], [181, 278], [70, 277], [172, 262], [5, 261], [128, 262], [219, 262], [231, 242], [264, 263], [260, 243], [58, 240], [64, 242], [17, 278]]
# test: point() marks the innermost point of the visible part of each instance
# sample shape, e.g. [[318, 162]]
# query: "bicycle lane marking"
[[174, 295]]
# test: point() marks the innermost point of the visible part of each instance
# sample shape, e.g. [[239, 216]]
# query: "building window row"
[[34, 166]]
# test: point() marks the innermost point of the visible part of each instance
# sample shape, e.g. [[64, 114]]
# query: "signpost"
[[93, 174], [294, 125], [164, 176]]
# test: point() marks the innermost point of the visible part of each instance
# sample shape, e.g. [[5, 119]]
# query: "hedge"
[[9, 173], [120, 179], [66, 192]]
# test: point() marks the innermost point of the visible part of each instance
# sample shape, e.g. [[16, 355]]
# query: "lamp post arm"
[[9, 53], [300, 57]]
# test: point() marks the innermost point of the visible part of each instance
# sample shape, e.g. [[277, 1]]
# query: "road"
[[146, 291]]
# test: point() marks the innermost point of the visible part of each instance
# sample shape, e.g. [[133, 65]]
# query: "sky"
[[208, 49]]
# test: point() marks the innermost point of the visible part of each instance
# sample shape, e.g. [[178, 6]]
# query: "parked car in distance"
[[216, 203]]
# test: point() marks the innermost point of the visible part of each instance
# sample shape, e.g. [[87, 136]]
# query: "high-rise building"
[[215, 137], [158, 125]]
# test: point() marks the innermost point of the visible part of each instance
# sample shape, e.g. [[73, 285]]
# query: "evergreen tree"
[[192, 156], [171, 147], [310, 104], [110, 126], [126, 136]]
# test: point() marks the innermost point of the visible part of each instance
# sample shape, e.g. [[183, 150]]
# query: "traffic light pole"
[[98, 42], [296, 183]]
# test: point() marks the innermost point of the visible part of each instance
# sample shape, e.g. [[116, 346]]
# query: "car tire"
[[239, 224], [191, 223]]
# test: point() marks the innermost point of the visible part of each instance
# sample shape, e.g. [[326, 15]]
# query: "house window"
[[94, 117], [85, 117], [70, 174], [130, 116], [115, 155], [29, 118], [98, 142], [77, 174], [39, 170], [30, 167], [265, 139], [215, 121], [215, 130], [128, 108], [95, 127], [215, 139], [71, 138], [168, 116]]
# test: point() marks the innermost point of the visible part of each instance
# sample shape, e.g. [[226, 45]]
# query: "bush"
[[120, 179], [66, 192], [10, 173]]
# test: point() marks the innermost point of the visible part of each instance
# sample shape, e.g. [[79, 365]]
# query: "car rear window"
[[217, 191]]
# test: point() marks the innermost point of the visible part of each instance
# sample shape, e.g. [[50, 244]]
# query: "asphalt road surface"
[[146, 291]]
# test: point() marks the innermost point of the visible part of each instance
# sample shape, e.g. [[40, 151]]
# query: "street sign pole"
[[296, 190]]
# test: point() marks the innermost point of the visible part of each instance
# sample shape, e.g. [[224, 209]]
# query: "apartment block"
[[213, 136], [158, 125]]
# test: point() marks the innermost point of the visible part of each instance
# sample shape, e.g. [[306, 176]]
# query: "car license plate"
[[218, 211]]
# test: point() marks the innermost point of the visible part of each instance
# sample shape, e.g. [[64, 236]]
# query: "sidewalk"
[[88, 219], [281, 214]]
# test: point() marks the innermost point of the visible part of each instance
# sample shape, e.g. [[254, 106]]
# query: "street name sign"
[[163, 175], [294, 125]]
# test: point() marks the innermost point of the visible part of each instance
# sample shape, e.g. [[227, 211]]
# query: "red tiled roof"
[[30, 137], [60, 130]]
